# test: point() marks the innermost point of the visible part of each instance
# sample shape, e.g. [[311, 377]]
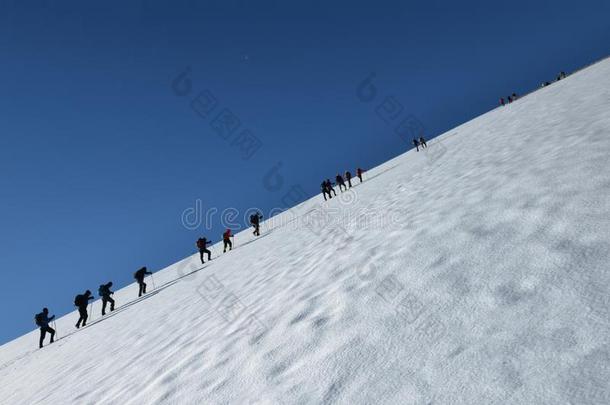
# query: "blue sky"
[[100, 157]]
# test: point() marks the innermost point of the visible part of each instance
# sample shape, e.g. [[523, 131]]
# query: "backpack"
[[201, 243], [38, 319], [78, 300], [139, 274], [102, 290]]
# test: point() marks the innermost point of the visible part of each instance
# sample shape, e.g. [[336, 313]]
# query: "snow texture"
[[472, 272]]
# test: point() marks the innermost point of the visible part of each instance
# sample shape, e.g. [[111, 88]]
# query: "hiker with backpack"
[[340, 182], [105, 293], [42, 321], [139, 276], [348, 177], [359, 172], [226, 239], [329, 187], [202, 245], [422, 142], [416, 144], [255, 220], [325, 190], [82, 301]]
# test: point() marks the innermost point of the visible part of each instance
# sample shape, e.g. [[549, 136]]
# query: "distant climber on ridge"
[[329, 187], [359, 172], [81, 301], [42, 321], [202, 245], [255, 220], [348, 177], [422, 142], [105, 293], [139, 276], [226, 239], [340, 182], [416, 144], [325, 190]]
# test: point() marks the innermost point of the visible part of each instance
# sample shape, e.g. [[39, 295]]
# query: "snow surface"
[[474, 272]]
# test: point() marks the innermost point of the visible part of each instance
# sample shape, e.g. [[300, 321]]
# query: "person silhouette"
[[42, 320], [81, 301], [139, 276]]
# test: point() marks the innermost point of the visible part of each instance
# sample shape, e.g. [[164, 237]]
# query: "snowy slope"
[[475, 272]]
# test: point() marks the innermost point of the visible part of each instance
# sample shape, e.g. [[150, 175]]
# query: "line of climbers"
[[421, 142], [203, 242], [327, 186], [81, 301], [510, 99], [513, 97], [561, 75]]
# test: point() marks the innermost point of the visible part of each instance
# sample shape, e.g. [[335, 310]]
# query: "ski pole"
[[153, 281]]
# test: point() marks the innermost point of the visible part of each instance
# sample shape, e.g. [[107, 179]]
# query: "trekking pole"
[[153, 281], [55, 327], [91, 311]]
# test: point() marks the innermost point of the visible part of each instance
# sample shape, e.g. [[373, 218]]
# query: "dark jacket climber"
[[105, 293], [255, 222], [42, 321], [81, 301], [340, 182], [139, 276], [226, 239], [348, 177], [202, 245]]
